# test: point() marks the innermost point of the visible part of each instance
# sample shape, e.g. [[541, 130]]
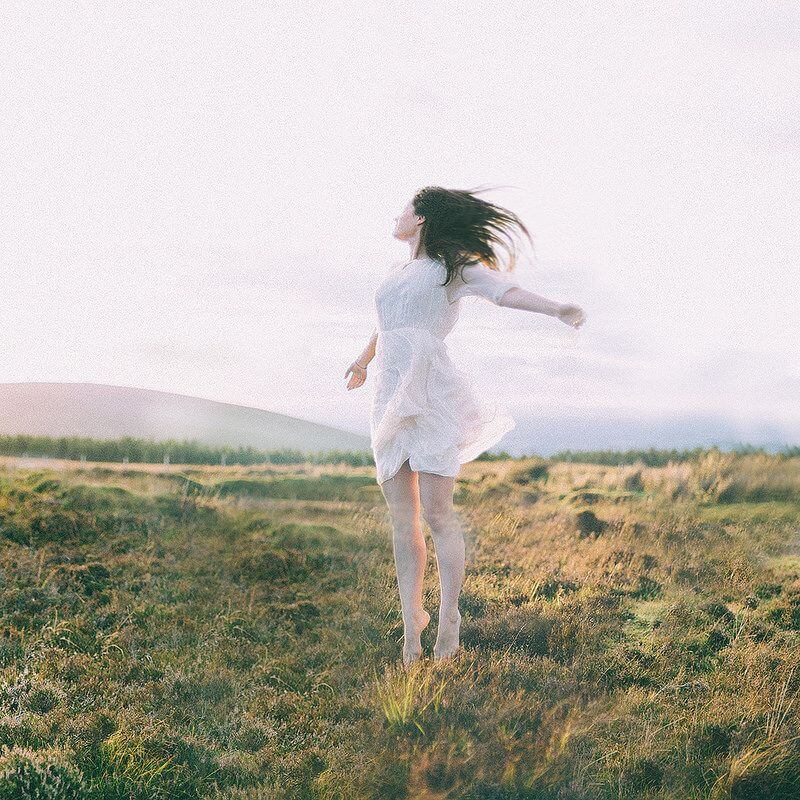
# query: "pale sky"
[[199, 197]]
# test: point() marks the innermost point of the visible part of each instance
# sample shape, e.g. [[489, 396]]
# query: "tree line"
[[148, 451]]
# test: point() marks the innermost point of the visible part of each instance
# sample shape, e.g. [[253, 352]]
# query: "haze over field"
[[199, 200], [112, 412]]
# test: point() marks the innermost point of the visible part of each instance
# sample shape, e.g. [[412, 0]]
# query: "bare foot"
[[412, 647], [448, 635]]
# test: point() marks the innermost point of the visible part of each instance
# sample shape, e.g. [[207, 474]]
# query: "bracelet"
[[360, 365]]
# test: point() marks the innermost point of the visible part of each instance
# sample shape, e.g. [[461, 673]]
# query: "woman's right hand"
[[359, 375], [571, 315]]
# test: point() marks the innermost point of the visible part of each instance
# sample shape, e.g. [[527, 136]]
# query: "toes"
[[447, 643], [445, 654]]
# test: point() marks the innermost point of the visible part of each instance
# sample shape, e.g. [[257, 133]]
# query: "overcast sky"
[[199, 197]]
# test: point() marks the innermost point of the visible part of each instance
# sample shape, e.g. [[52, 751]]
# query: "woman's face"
[[407, 224]]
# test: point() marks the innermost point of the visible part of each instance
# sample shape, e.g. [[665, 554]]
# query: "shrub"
[[38, 775], [589, 524], [530, 473]]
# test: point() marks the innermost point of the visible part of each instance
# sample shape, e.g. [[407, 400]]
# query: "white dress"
[[424, 408]]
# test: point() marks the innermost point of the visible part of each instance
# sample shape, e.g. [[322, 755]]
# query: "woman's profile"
[[426, 418]]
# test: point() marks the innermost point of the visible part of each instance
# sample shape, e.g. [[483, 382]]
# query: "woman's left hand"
[[358, 375]]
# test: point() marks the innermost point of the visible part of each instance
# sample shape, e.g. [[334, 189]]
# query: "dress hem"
[[426, 471], [464, 457]]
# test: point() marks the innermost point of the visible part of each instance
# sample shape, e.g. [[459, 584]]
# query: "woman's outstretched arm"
[[516, 297]]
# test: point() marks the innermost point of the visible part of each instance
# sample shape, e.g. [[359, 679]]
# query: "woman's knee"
[[402, 503], [404, 519], [441, 516], [436, 499]]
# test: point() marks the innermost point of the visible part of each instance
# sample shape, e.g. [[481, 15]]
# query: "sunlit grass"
[[187, 632]]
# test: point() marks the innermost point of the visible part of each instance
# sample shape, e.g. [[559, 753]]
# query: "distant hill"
[[110, 412], [601, 430]]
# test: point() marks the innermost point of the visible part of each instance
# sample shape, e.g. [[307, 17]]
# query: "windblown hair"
[[462, 229]]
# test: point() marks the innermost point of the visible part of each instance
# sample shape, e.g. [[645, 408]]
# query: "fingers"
[[358, 376], [356, 380], [579, 317]]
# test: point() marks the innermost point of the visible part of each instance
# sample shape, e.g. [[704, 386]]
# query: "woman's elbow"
[[508, 297]]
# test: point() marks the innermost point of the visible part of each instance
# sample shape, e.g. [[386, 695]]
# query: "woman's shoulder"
[[471, 271], [476, 278]]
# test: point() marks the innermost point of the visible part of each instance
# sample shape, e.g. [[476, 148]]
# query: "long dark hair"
[[461, 229]]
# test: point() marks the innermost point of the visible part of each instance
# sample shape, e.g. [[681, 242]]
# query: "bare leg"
[[401, 492], [436, 494]]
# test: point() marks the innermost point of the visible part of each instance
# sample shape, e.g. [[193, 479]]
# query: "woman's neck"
[[420, 253]]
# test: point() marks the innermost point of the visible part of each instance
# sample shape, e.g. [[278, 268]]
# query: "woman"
[[426, 419]]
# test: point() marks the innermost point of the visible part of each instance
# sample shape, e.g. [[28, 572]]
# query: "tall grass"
[[628, 631]]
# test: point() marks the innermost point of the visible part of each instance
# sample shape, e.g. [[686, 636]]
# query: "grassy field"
[[233, 633]]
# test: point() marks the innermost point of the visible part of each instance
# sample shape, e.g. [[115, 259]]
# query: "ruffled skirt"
[[425, 409]]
